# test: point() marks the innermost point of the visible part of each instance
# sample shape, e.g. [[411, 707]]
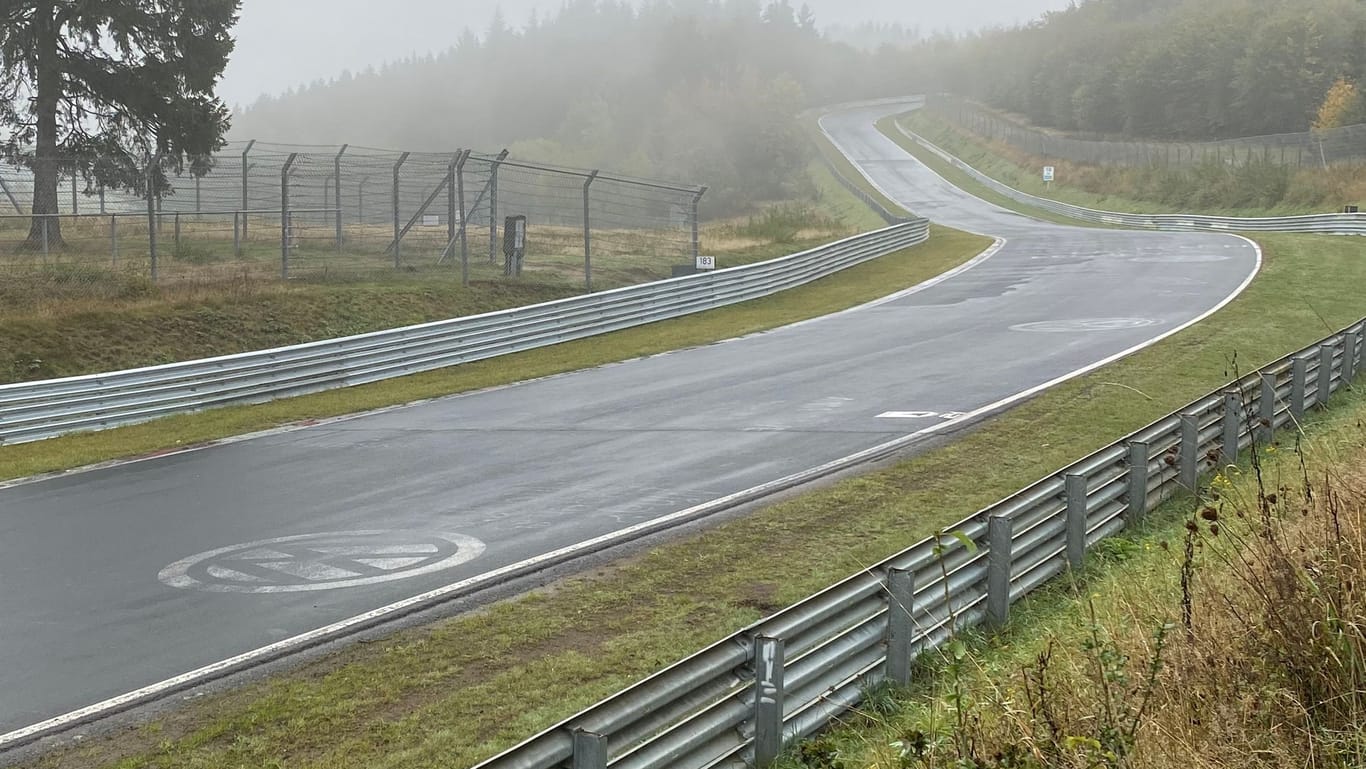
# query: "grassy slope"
[[452, 693], [1133, 584], [1104, 188]]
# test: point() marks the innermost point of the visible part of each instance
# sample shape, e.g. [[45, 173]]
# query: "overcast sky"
[[283, 43]]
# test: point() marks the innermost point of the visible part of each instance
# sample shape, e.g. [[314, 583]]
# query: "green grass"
[[460, 690]]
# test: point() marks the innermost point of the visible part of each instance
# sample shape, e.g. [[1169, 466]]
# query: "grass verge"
[[945, 250], [460, 690], [1227, 630], [1254, 189]]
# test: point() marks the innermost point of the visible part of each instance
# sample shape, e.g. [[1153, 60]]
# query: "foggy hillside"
[[709, 93], [1170, 69]]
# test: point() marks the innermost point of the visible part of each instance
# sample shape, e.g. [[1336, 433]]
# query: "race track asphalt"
[[93, 603]]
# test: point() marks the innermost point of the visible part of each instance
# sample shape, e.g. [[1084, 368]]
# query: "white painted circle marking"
[[1085, 324], [324, 561]]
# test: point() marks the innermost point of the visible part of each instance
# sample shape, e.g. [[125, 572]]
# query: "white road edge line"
[[538, 563]]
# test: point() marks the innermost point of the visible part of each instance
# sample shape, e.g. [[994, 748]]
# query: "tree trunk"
[[46, 231]]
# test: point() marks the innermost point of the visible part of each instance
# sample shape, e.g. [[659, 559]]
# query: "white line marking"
[[908, 415]]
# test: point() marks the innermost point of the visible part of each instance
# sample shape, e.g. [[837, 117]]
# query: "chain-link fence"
[[300, 212], [1337, 146]]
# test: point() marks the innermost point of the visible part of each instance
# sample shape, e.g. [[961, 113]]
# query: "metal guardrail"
[[37, 410], [1328, 224], [737, 702]]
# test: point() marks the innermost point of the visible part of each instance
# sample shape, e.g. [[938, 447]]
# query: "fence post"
[[493, 206], [768, 700], [1266, 410], [337, 174], [284, 214], [198, 193], [1299, 382], [152, 162], [1138, 481], [900, 628], [114, 239], [398, 225], [998, 570], [1325, 373], [177, 233], [102, 199], [246, 200], [590, 750], [360, 201], [588, 234], [1075, 488], [1233, 426], [237, 222], [696, 240], [451, 194], [464, 223]]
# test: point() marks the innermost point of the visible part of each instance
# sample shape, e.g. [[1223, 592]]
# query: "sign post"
[[1048, 173]]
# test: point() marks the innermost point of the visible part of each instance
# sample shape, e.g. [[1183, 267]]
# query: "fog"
[[281, 43]]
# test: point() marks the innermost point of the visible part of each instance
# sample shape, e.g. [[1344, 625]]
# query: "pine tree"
[[95, 87]]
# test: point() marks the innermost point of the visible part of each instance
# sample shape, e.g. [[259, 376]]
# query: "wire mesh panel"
[[307, 212]]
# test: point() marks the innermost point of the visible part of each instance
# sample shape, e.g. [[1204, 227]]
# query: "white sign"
[[706, 262], [1048, 173], [430, 220]]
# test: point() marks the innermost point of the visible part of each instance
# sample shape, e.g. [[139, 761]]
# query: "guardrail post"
[[1350, 352], [1076, 487], [1299, 379], [1326, 351], [398, 225], [696, 236], [337, 185], [999, 535], [768, 700], [1138, 481], [900, 628], [588, 235], [1232, 421], [590, 750], [246, 201], [1190, 451], [1266, 408], [284, 215]]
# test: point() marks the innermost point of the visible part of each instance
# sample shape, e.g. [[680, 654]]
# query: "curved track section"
[[118, 578]]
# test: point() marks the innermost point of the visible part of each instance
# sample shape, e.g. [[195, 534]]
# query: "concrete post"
[[246, 199], [1299, 381], [337, 185], [1075, 489], [1190, 451], [999, 532], [1266, 411], [284, 214], [1138, 482], [588, 234], [1233, 426], [1325, 384], [398, 225]]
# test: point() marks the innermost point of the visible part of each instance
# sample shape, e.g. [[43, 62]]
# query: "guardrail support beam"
[[1351, 351], [1266, 411], [1299, 382], [900, 627], [590, 750], [1076, 487], [1233, 426], [999, 540], [1139, 455], [1326, 351], [1190, 451], [768, 700]]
